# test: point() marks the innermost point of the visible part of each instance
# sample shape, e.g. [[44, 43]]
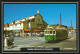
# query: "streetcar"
[[54, 34]]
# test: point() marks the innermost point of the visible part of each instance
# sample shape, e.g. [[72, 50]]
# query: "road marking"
[[39, 46], [30, 46], [67, 48]]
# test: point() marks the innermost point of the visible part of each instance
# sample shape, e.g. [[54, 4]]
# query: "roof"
[[44, 22], [24, 18], [38, 14], [6, 25], [54, 24], [49, 29]]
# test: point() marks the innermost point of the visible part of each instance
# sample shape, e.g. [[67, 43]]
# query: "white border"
[[40, 3]]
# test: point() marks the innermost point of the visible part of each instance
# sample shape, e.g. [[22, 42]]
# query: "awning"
[[26, 29], [38, 30]]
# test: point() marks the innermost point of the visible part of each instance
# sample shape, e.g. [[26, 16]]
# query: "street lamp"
[[30, 26]]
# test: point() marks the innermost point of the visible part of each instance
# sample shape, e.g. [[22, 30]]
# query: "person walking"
[[20, 34], [12, 42], [6, 41], [13, 34], [16, 34], [23, 34]]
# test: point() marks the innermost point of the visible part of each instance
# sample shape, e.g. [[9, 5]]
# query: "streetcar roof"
[[52, 29], [49, 29]]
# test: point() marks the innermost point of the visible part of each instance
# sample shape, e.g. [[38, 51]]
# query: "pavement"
[[67, 44]]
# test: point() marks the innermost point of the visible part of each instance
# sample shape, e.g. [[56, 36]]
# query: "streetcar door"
[[54, 35]]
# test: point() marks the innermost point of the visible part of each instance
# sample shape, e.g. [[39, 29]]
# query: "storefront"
[[18, 33]]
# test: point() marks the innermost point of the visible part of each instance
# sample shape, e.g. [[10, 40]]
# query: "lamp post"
[[29, 25]]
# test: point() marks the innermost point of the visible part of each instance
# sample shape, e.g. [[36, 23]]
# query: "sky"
[[49, 12]]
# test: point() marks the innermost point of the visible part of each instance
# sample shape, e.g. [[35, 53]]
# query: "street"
[[67, 44]]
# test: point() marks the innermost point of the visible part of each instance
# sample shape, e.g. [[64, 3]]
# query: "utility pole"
[[71, 26], [29, 24], [30, 28], [60, 19]]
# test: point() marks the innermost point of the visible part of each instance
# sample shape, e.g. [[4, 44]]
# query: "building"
[[70, 29], [34, 23]]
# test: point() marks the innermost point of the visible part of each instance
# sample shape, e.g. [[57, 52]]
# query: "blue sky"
[[50, 13]]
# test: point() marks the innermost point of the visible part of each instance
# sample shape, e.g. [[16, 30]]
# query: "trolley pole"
[[71, 27]]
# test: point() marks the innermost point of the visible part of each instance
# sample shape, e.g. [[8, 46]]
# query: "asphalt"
[[67, 44]]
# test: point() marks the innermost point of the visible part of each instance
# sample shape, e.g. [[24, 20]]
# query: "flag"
[[29, 25]]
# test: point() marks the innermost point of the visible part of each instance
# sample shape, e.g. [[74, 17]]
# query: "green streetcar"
[[52, 34]]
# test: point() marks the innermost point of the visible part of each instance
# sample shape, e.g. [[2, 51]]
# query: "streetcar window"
[[53, 32], [45, 32], [50, 32]]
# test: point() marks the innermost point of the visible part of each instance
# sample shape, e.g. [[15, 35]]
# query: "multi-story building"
[[34, 23]]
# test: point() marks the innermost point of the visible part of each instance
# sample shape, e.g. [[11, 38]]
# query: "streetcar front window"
[[50, 32], [53, 32], [45, 32]]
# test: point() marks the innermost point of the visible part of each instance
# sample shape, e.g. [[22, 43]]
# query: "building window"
[[20, 24], [33, 20], [39, 20]]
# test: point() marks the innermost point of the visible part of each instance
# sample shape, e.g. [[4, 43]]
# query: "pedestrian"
[[23, 34], [5, 43], [13, 34], [20, 34], [10, 34], [16, 34], [12, 42]]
